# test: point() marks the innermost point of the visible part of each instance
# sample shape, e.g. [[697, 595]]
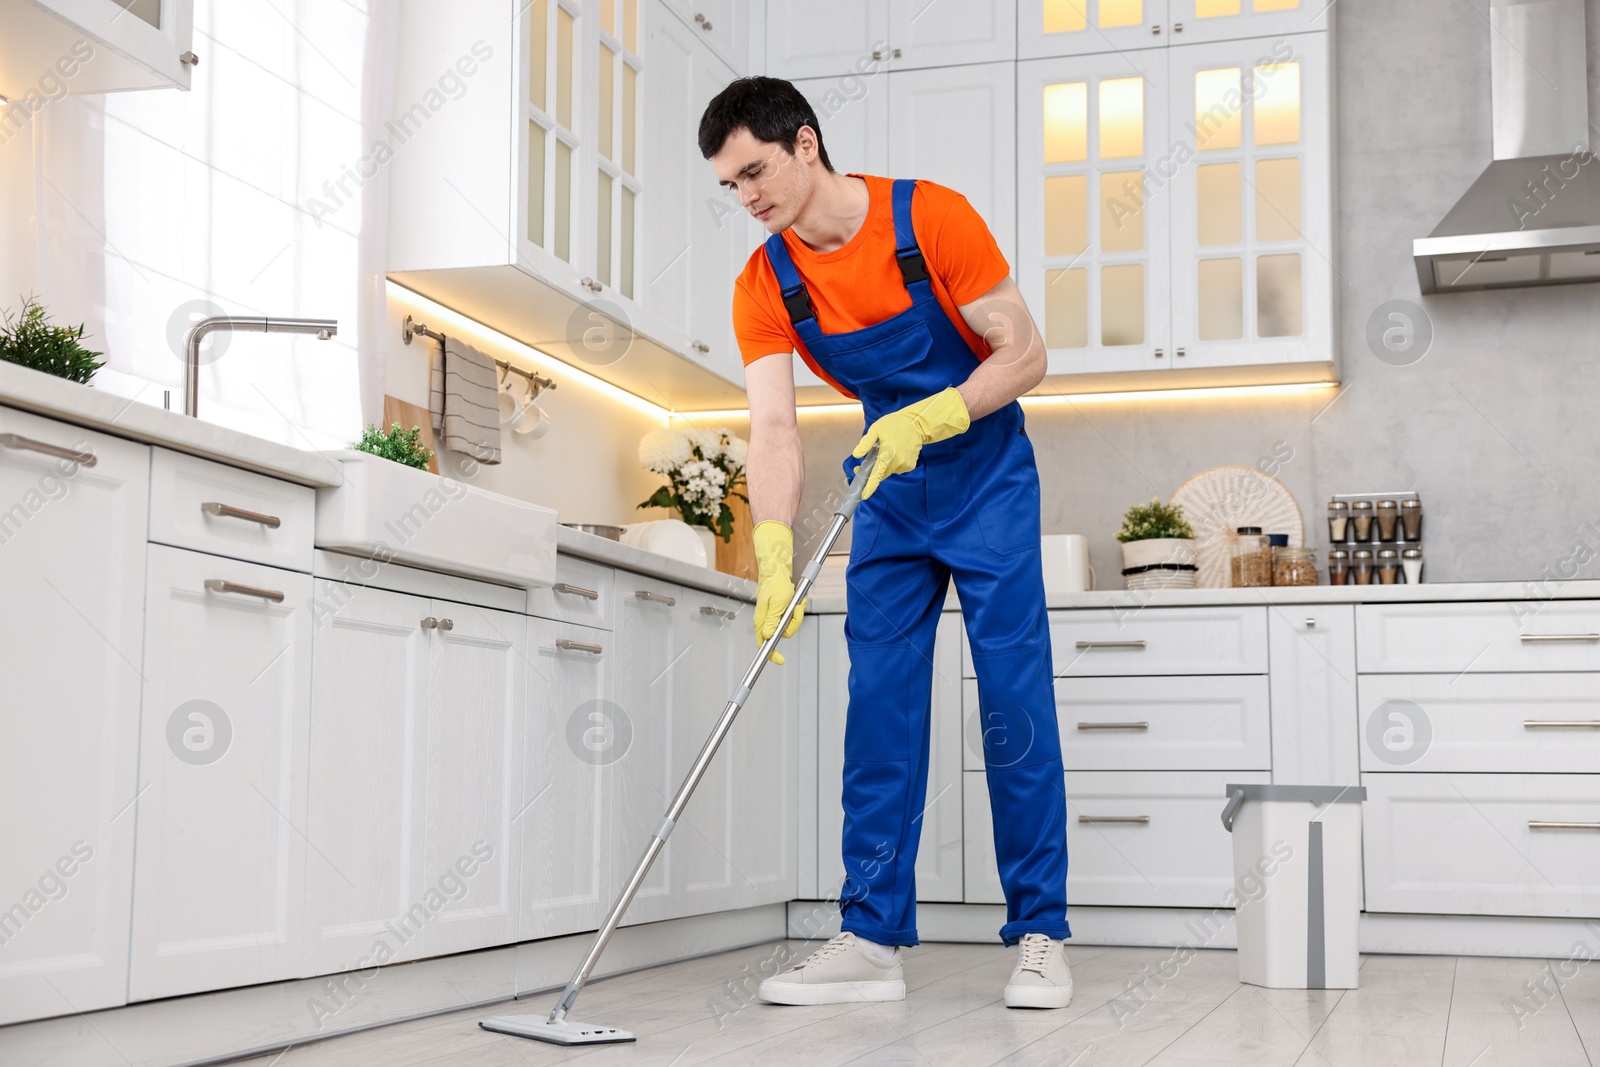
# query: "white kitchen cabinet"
[[1224, 639], [219, 875], [1093, 261], [761, 751], [1482, 844], [979, 100], [826, 38], [1219, 722], [1219, 20], [573, 736], [724, 25], [927, 33], [643, 781], [1079, 27], [72, 555], [473, 785], [1483, 637], [369, 713], [1252, 272], [939, 854], [94, 46], [1313, 654]]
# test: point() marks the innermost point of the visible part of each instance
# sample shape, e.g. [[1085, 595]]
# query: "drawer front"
[[1483, 722], [1482, 844], [1145, 724], [584, 593], [1152, 839], [1116, 642], [1480, 637], [221, 510]]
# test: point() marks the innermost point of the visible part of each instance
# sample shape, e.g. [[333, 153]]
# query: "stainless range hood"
[[1533, 217]]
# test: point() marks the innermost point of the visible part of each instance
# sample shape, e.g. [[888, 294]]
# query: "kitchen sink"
[[400, 514]]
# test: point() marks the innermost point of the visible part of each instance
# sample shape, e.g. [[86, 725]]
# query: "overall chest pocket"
[[873, 354]]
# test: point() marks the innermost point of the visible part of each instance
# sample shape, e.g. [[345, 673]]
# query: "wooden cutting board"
[[411, 416], [738, 556]]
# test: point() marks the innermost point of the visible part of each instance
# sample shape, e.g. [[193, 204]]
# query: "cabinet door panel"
[[1313, 655], [470, 859], [369, 714], [931, 34], [724, 25], [818, 38], [72, 563], [980, 100], [575, 733], [219, 875], [1093, 181], [1251, 206], [1081, 27], [761, 751], [1220, 20]]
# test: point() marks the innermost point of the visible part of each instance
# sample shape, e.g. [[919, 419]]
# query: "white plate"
[[1218, 501], [672, 538]]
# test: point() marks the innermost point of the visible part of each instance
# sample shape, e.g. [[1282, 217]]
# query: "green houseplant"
[[395, 444], [29, 339], [1158, 549]]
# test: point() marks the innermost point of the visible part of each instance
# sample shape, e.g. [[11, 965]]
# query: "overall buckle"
[[913, 268], [798, 303]]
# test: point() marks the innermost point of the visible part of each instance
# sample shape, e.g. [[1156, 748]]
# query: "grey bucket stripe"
[[1316, 954]]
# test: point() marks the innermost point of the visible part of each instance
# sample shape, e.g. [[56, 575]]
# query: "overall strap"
[[793, 290], [913, 268]]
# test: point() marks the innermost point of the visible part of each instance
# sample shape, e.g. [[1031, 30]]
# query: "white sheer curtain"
[[246, 195]]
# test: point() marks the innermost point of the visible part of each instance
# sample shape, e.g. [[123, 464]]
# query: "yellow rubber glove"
[[775, 584], [901, 434]]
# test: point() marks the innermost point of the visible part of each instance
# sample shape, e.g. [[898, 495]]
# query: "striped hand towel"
[[464, 401]]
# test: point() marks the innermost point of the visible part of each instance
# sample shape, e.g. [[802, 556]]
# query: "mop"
[[557, 1028]]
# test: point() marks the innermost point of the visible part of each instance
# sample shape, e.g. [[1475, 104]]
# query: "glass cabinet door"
[[1251, 249], [616, 144], [1225, 20], [1093, 194], [552, 129], [1084, 27]]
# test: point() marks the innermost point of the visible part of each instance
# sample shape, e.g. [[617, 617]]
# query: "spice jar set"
[[1258, 559], [1376, 539]]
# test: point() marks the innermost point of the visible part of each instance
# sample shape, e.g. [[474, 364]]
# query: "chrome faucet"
[[323, 328]]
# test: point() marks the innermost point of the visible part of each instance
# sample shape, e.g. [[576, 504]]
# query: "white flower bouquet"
[[702, 467]]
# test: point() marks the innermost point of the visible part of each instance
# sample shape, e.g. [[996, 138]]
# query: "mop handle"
[[841, 515]]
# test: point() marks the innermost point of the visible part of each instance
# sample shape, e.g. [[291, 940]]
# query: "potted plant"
[[702, 467], [31, 340], [396, 444], [1158, 548]]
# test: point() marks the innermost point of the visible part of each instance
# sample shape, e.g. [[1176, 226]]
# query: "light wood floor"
[[1440, 1010]]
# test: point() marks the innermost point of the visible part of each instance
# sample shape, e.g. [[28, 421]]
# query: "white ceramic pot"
[[708, 538], [1156, 550]]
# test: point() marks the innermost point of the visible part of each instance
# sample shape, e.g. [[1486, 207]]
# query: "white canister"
[[1066, 563]]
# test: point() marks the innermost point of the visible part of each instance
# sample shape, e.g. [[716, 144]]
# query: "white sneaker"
[[1042, 978], [840, 972]]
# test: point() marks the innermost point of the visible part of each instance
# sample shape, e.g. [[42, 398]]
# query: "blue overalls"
[[970, 509]]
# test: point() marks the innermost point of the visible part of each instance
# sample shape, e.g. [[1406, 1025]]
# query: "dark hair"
[[770, 108]]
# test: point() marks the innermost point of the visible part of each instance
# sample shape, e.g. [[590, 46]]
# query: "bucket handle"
[[1235, 801]]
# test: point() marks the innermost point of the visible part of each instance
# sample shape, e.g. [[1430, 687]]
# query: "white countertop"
[[81, 405], [615, 553], [1523, 591]]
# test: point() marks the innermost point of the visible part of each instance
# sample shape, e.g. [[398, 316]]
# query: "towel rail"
[[411, 328]]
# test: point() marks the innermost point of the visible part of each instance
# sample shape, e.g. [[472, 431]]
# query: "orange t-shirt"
[[859, 284]]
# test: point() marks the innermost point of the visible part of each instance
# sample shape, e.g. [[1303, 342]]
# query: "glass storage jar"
[[1251, 558], [1294, 566], [1338, 567], [1361, 566]]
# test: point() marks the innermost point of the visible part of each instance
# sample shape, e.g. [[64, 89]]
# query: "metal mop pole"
[[841, 516]]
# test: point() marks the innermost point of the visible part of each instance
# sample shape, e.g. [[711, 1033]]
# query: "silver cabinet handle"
[[1542, 824], [1560, 637], [1111, 644], [430, 623], [1311, 624], [1177, 27], [1553, 724], [1113, 726], [659, 598], [1141, 820], [447, 624], [700, 346], [576, 590], [218, 585], [1155, 29], [704, 23], [212, 507], [1159, 353], [1180, 352], [707, 609], [579, 646], [28, 444]]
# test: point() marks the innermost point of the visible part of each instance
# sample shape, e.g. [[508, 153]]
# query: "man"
[[896, 293]]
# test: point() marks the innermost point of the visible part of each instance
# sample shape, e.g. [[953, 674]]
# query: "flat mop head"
[[565, 1032]]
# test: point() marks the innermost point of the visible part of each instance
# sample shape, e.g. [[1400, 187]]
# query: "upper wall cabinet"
[[93, 46], [722, 24], [523, 199], [1185, 212], [838, 38], [1082, 27]]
